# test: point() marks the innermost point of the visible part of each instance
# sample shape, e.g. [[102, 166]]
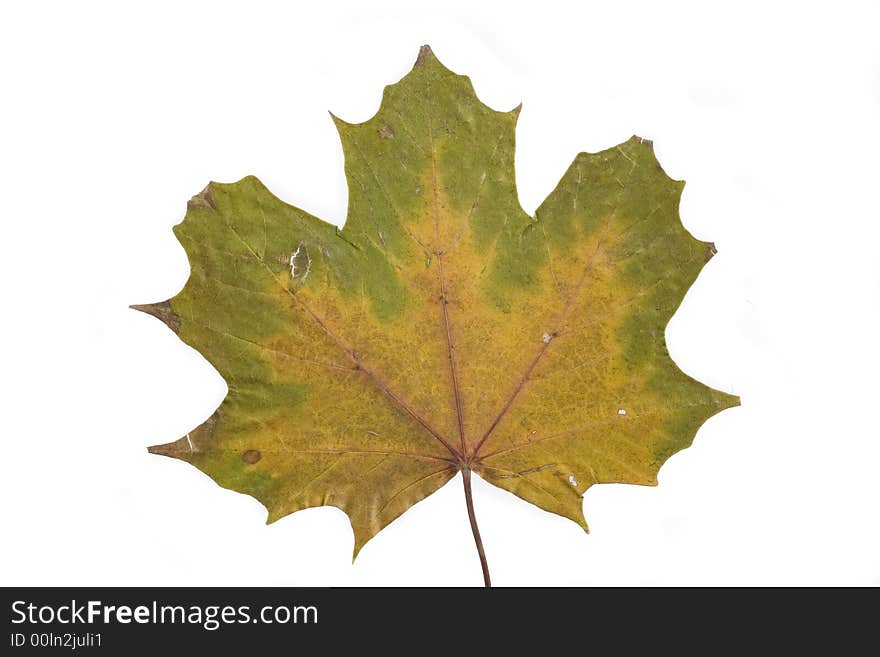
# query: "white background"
[[112, 117]]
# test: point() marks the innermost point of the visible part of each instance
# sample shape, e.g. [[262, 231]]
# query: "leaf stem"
[[469, 499]]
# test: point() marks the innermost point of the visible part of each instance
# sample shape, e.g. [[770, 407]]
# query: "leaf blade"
[[442, 328]]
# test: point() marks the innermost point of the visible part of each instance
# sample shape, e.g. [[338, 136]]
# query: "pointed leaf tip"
[[203, 199], [339, 122], [710, 250], [162, 311], [647, 143], [426, 55], [167, 449]]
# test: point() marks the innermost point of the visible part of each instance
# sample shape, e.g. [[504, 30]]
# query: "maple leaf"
[[443, 329]]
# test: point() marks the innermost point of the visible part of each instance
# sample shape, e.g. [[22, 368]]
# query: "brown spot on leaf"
[[251, 456], [386, 131]]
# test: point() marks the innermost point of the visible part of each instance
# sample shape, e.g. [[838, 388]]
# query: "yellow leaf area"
[[443, 328]]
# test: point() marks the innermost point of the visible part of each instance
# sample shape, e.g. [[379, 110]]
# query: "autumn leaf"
[[443, 329]]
